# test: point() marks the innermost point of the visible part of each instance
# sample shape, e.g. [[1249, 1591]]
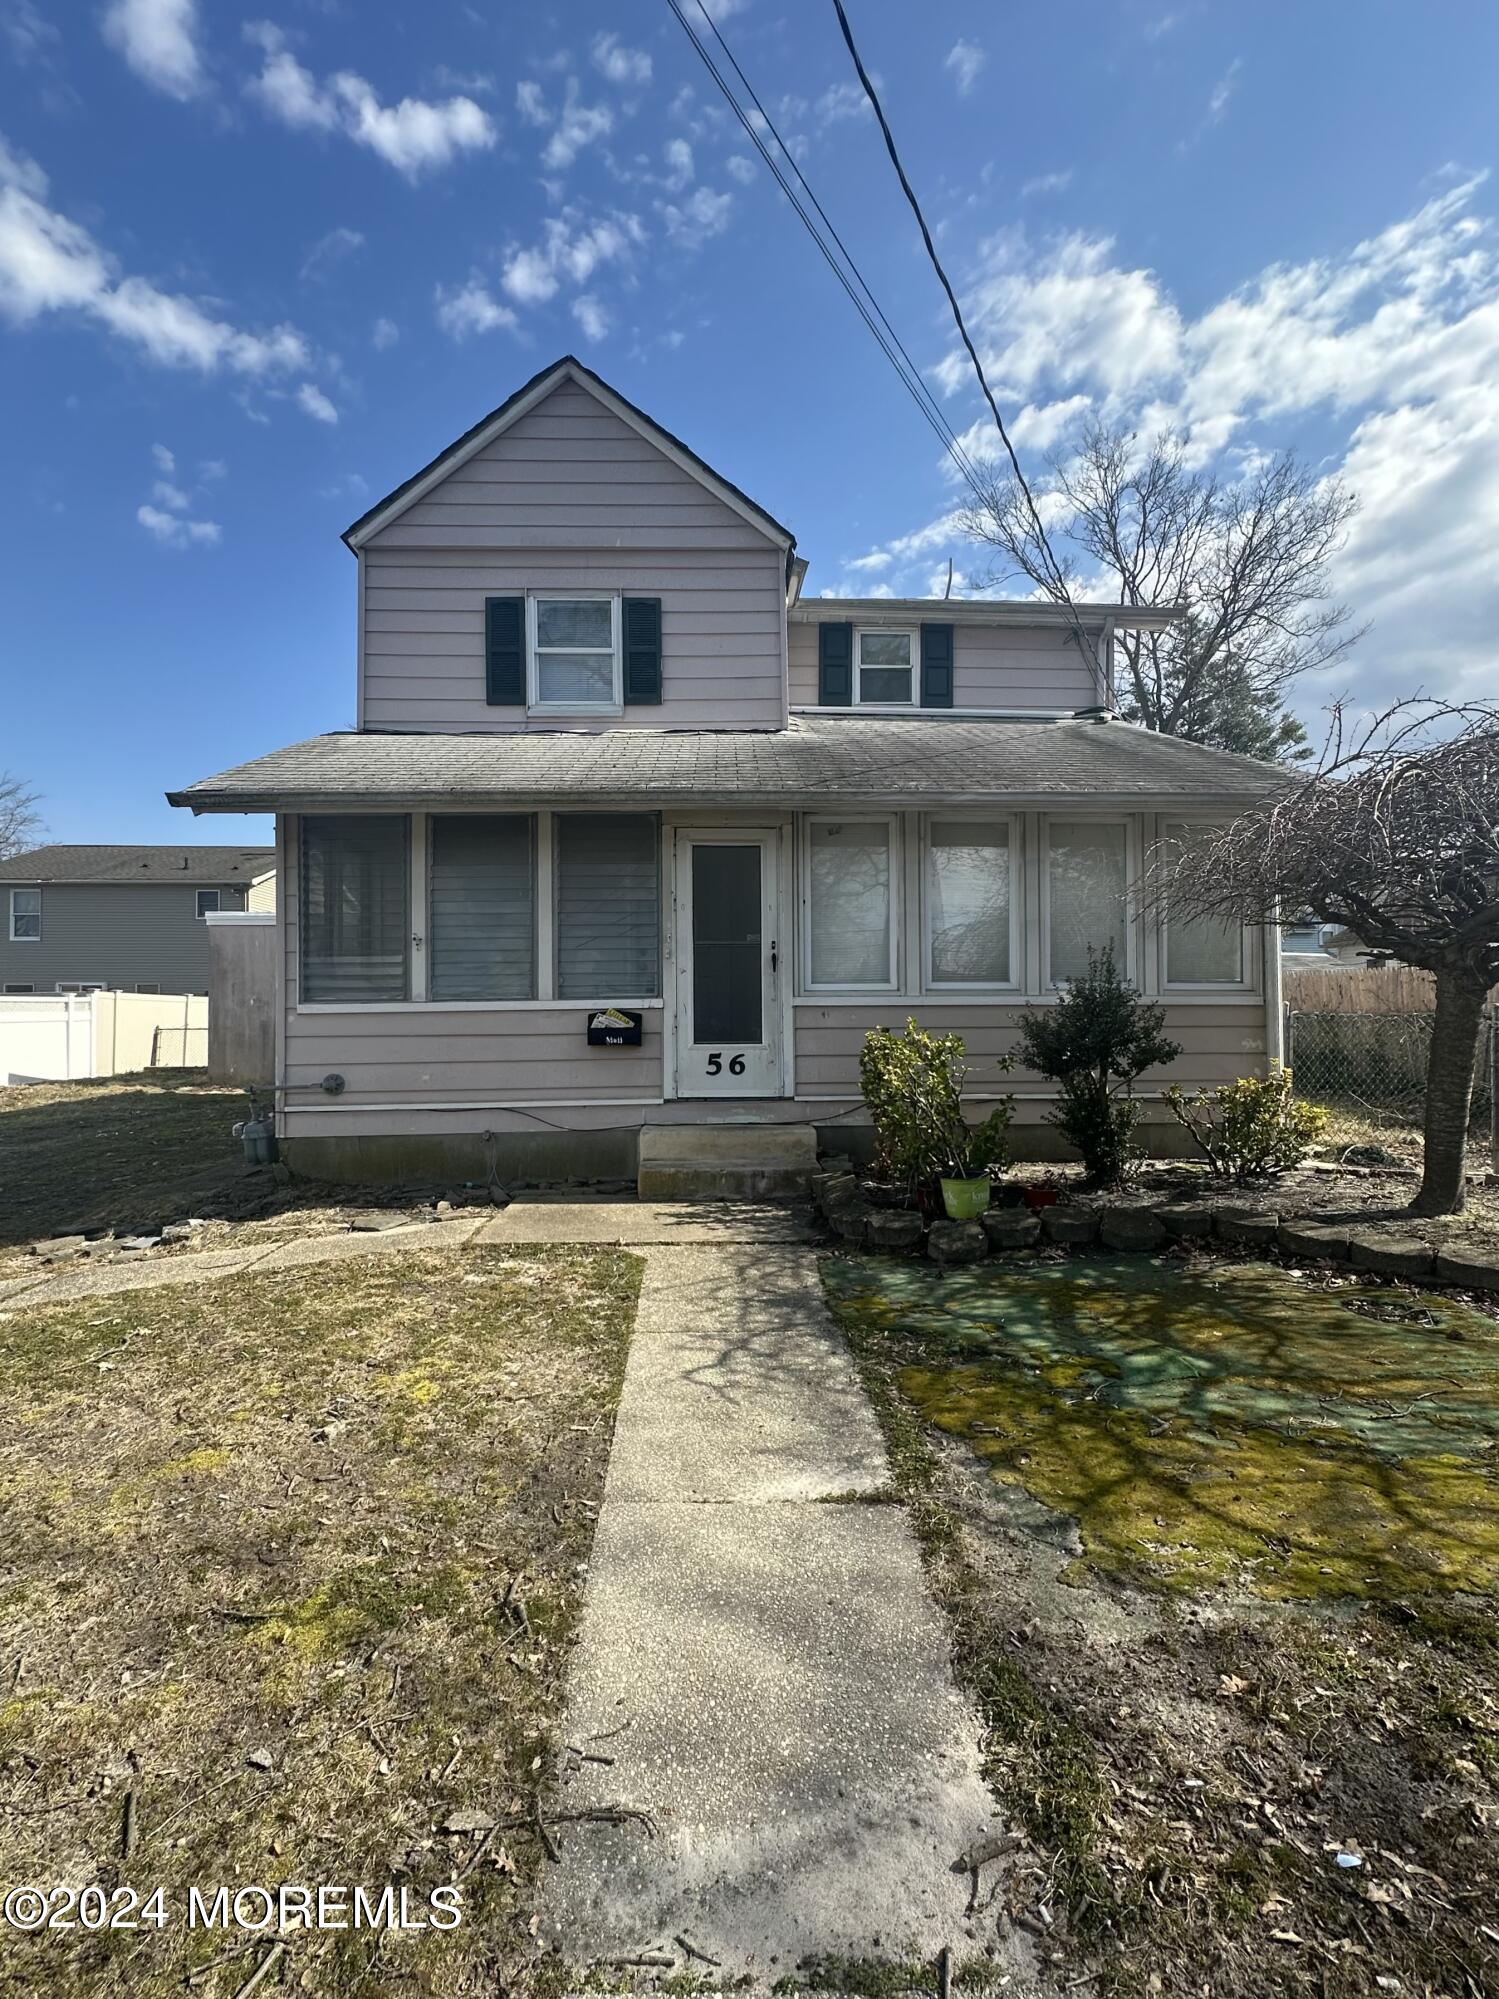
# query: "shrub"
[[913, 1085], [1095, 1041], [1252, 1127]]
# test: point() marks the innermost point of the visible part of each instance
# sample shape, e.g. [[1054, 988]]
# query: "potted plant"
[[913, 1085]]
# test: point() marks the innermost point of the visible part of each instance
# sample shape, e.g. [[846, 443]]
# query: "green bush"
[[913, 1085], [1250, 1128], [1094, 1042]]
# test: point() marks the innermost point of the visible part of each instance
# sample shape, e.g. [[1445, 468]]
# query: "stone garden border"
[[1141, 1226]]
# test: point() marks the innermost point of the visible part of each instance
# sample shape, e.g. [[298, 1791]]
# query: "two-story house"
[[633, 842], [125, 919]]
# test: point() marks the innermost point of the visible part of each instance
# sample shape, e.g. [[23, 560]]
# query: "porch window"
[[355, 907], [25, 915], [575, 654], [1087, 881], [884, 665], [969, 901], [481, 906], [1200, 951], [608, 905], [850, 903]]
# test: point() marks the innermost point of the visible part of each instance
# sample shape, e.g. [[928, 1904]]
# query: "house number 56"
[[715, 1064]]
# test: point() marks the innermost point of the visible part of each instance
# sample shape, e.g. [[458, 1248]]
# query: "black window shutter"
[[936, 666], [835, 665], [642, 617], [505, 652]]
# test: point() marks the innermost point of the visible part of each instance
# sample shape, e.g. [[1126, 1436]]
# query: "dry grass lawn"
[[289, 1570]]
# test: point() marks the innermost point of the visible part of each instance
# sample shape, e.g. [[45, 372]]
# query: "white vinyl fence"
[[63, 1037]]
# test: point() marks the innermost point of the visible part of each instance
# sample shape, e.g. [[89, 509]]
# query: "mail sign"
[[612, 1027]]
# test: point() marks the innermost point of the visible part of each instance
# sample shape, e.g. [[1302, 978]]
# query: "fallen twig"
[[692, 1951], [262, 1970]]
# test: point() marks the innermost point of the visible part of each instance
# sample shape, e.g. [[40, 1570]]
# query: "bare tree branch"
[[20, 821]]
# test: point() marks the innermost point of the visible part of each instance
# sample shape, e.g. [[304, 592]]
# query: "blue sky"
[[255, 268]]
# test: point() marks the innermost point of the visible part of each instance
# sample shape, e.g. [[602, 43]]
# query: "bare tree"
[[1396, 837], [20, 821], [1248, 561]]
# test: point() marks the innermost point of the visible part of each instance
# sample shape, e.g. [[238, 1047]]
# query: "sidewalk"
[[764, 1668]]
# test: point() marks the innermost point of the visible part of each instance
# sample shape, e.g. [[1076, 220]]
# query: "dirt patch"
[[289, 1569], [1213, 1793]]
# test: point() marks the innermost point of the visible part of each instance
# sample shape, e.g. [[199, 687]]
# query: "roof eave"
[[822, 799]]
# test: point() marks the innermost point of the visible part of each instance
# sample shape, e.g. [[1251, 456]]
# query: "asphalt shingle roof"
[[137, 864], [911, 759]]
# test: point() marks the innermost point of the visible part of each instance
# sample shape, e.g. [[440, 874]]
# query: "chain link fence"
[[1375, 1063]]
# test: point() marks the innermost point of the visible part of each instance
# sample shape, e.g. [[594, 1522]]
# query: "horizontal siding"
[[993, 667], [1218, 1044], [122, 933], [721, 634]]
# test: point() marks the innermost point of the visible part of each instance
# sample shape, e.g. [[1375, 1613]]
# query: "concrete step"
[[725, 1162]]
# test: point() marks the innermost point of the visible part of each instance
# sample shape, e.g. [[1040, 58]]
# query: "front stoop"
[[726, 1162]]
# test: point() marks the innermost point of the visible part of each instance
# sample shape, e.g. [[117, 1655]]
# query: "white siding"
[[570, 497], [993, 666]]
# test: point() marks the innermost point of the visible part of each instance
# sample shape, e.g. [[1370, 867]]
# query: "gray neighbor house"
[[122, 919], [634, 841]]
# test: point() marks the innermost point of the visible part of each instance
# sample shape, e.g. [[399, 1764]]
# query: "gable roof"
[[912, 760], [191, 865], [568, 368]]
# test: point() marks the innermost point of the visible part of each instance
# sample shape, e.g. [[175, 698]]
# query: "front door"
[[728, 965]]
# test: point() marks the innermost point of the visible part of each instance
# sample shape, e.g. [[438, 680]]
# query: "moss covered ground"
[[1220, 1550], [289, 1569]]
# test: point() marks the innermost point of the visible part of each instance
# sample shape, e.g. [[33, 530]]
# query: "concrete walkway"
[[765, 1669]]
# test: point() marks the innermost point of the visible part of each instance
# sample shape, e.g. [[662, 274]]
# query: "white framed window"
[[25, 916], [1086, 866], [885, 667], [573, 655], [81, 986], [1199, 952], [850, 903], [208, 899], [971, 903]]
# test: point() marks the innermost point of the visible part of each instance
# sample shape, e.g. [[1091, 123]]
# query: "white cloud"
[[1052, 183], [619, 64], [845, 100], [680, 166], [384, 333], [965, 60], [740, 168], [569, 252], [165, 494], [21, 171], [577, 126], [312, 401], [212, 468], [165, 461], [331, 250], [1223, 90], [470, 309], [591, 316], [32, 39], [171, 531], [693, 221], [413, 136], [51, 264], [871, 564], [158, 39], [530, 103]]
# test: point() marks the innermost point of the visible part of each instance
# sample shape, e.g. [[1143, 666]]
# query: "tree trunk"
[[1449, 1093]]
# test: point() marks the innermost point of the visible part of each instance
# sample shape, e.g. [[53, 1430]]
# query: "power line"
[[1054, 568], [870, 312]]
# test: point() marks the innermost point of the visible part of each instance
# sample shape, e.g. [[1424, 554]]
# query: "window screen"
[[849, 902], [355, 916], [608, 889], [481, 915], [1087, 874], [968, 897]]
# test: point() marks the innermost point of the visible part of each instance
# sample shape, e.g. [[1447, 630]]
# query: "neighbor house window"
[[1200, 951], [355, 907], [969, 902], [25, 915], [148, 989], [481, 906], [1087, 882], [884, 665], [850, 903], [575, 654], [20, 989], [208, 899], [80, 986], [607, 868]]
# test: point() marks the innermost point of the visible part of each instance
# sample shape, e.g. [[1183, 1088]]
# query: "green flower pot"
[[964, 1199]]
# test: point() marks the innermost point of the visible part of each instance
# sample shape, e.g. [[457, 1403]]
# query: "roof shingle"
[[221, 865]]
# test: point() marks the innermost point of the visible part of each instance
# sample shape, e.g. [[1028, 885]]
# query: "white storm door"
[[728, 1024]]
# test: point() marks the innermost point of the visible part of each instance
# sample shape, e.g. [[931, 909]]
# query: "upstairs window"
[[884, 669], [208, 899], [25, 915], [575, 655]]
